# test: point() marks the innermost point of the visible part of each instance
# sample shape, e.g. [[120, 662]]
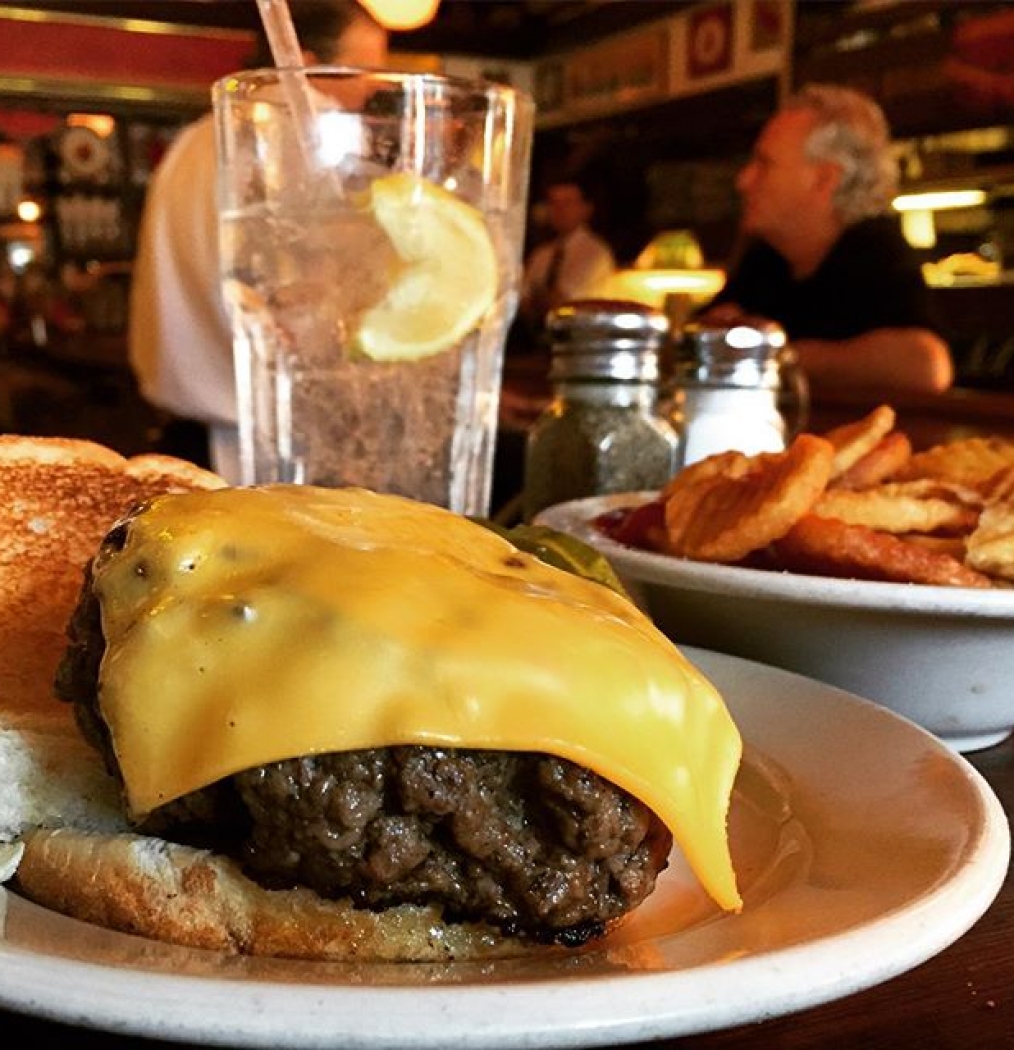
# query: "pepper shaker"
[[603, 431]]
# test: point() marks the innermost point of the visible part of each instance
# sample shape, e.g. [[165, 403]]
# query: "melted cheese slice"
[[246, 626]]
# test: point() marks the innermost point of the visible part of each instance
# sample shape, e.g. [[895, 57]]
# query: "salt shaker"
[[603, 431], [730, 382]]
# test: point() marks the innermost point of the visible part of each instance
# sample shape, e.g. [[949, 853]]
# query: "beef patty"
[[532, 843]]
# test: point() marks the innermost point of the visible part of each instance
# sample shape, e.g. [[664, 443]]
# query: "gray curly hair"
[[852, 132]]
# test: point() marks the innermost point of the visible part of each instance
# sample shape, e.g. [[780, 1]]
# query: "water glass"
[[371, 228]]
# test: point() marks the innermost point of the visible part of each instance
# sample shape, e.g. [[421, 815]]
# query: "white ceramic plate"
[[941, 656], [863, 845]]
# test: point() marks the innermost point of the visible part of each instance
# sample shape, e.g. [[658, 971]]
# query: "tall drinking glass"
[[371, 227]]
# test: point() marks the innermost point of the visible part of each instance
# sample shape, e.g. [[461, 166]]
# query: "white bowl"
[[941, 656]]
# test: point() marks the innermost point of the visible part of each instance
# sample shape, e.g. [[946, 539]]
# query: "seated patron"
[[571, 265], [823, 254]]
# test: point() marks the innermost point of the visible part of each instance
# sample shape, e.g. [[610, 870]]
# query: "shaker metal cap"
[[742, 354], [606, 339]]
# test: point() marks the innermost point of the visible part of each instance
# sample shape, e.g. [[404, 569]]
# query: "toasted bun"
[[147, 886], [58, 498]]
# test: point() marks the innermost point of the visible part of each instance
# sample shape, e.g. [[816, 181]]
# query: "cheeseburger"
[[332, 710]]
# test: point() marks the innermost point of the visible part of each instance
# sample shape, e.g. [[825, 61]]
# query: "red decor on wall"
[[709, 41], [23, 124], [114, 54]]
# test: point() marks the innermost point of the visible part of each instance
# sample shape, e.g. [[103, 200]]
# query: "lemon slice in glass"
[[445, 278]]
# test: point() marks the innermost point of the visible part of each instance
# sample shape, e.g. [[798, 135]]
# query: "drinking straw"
[[281, 33], [288, 56]]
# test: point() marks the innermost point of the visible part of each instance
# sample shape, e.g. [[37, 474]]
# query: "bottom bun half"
[[147, 886]]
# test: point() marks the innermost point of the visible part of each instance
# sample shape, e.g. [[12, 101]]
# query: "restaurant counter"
[[928, 419], [961, 998]]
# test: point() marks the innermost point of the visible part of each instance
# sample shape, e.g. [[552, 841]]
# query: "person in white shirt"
[[574, 264], [180, 340]]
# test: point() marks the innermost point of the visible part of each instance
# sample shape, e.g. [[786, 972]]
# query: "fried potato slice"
[[990, 548], [952, 545], [852, 441], [999, 486], [826, 547], [971, 461], [883, 461], [720, 465], [924, 505], [722, 510]]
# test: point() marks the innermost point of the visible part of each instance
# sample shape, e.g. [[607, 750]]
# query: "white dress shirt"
[[180, 341], [586, 263]]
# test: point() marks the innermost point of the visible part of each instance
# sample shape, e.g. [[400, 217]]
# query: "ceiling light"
[[402, 14], [938, 201], [919, 228], [101, 123], [29, 211]]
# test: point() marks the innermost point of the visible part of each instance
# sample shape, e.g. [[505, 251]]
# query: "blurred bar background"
[[659, 102]]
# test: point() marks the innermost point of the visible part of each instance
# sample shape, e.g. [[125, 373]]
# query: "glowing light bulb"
[[402, 14], [29, 211], [939, 201]]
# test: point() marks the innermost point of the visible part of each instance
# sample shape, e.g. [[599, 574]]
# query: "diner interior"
[[658, 103]]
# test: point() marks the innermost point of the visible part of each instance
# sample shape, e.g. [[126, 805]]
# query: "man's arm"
[[903, 359], [910, 359]]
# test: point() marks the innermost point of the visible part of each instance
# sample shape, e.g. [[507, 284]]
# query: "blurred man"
[[825, 256], [180, 337], [574, 263]]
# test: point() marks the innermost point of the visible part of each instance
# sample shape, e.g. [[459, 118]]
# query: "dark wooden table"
[[963, 999]]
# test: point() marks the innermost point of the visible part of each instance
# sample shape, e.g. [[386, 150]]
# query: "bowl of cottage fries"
[[848, 557]]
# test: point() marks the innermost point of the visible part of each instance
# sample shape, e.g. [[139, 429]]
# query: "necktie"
[[554, 268]]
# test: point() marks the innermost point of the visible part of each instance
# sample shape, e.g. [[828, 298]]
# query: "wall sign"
[[706, 47], [709, 41]]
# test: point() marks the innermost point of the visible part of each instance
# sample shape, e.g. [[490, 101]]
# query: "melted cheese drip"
[[246, 626]]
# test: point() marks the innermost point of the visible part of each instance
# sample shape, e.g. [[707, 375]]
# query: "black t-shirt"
[[869, 279]]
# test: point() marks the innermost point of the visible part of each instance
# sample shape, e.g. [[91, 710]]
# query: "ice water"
[[314, 410]]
